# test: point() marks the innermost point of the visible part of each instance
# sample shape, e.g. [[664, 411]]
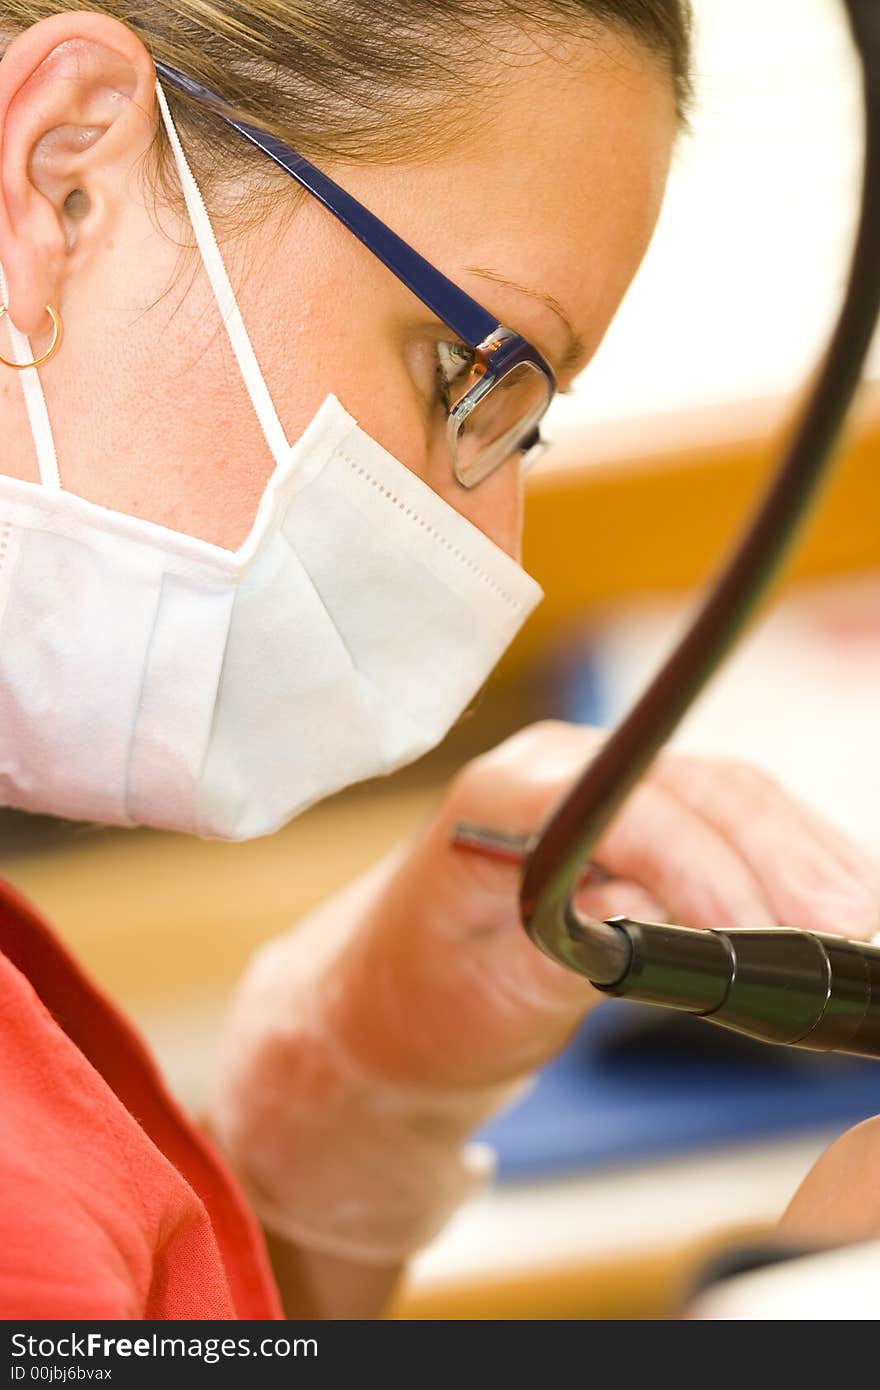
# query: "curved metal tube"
[[600, 950]]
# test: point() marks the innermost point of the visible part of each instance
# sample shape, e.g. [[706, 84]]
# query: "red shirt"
[[112, 1205]]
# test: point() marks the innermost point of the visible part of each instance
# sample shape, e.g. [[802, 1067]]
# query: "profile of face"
[[540, 205]]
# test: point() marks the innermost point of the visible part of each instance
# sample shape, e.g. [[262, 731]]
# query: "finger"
[[838, 1200], [852, 856], [619, 897], [797, 860], [676, 772], [683, 863], [657, 842]]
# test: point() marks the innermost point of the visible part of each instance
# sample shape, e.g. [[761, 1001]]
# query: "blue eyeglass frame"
[[498, 350]]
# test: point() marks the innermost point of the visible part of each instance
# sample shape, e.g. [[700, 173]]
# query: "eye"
[[455, 363]]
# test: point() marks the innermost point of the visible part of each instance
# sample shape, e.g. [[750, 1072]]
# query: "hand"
[[442, 986], [839, 1200], [367, 1043]]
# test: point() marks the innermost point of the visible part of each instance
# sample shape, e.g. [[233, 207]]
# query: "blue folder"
[[639, 1082]]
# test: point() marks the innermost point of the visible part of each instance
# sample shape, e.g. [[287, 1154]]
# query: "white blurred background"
[[738, 290]]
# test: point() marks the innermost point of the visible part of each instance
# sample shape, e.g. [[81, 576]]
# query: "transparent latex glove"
[[367, 1043]]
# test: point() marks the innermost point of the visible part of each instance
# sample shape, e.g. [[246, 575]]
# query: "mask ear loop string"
[[258, 391], [224, 294], [34, 399]]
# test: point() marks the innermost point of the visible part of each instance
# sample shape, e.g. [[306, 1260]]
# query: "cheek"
[[495, 507], [397, 419], [357, 350], [398, 422]]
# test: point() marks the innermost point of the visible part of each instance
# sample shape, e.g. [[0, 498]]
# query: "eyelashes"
[[455, 363], [455, 360]]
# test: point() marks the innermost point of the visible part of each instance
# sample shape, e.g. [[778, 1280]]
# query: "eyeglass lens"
[[500, 421]]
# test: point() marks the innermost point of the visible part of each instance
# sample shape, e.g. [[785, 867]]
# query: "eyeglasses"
[[496, 385]]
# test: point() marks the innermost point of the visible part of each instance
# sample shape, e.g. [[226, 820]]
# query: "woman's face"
[[542, 212]]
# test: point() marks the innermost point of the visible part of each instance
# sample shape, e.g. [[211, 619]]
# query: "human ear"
[[77, 111]]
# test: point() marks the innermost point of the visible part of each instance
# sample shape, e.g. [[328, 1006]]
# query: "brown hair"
[[355, 79]]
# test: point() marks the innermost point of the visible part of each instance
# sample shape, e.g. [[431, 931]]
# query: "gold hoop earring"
[[57, 335]]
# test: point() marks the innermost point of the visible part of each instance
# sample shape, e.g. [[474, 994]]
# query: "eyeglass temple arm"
[[467, 319]]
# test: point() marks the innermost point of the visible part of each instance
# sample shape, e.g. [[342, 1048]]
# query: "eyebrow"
[[575, 347]]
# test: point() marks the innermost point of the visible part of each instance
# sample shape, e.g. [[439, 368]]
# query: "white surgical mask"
[[151, 678]]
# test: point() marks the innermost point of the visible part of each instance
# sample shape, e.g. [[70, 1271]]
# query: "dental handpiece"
[[779, 985]]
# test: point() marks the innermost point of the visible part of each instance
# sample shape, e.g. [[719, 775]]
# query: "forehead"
[[570, 198], [551, 177], [553, 180]]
